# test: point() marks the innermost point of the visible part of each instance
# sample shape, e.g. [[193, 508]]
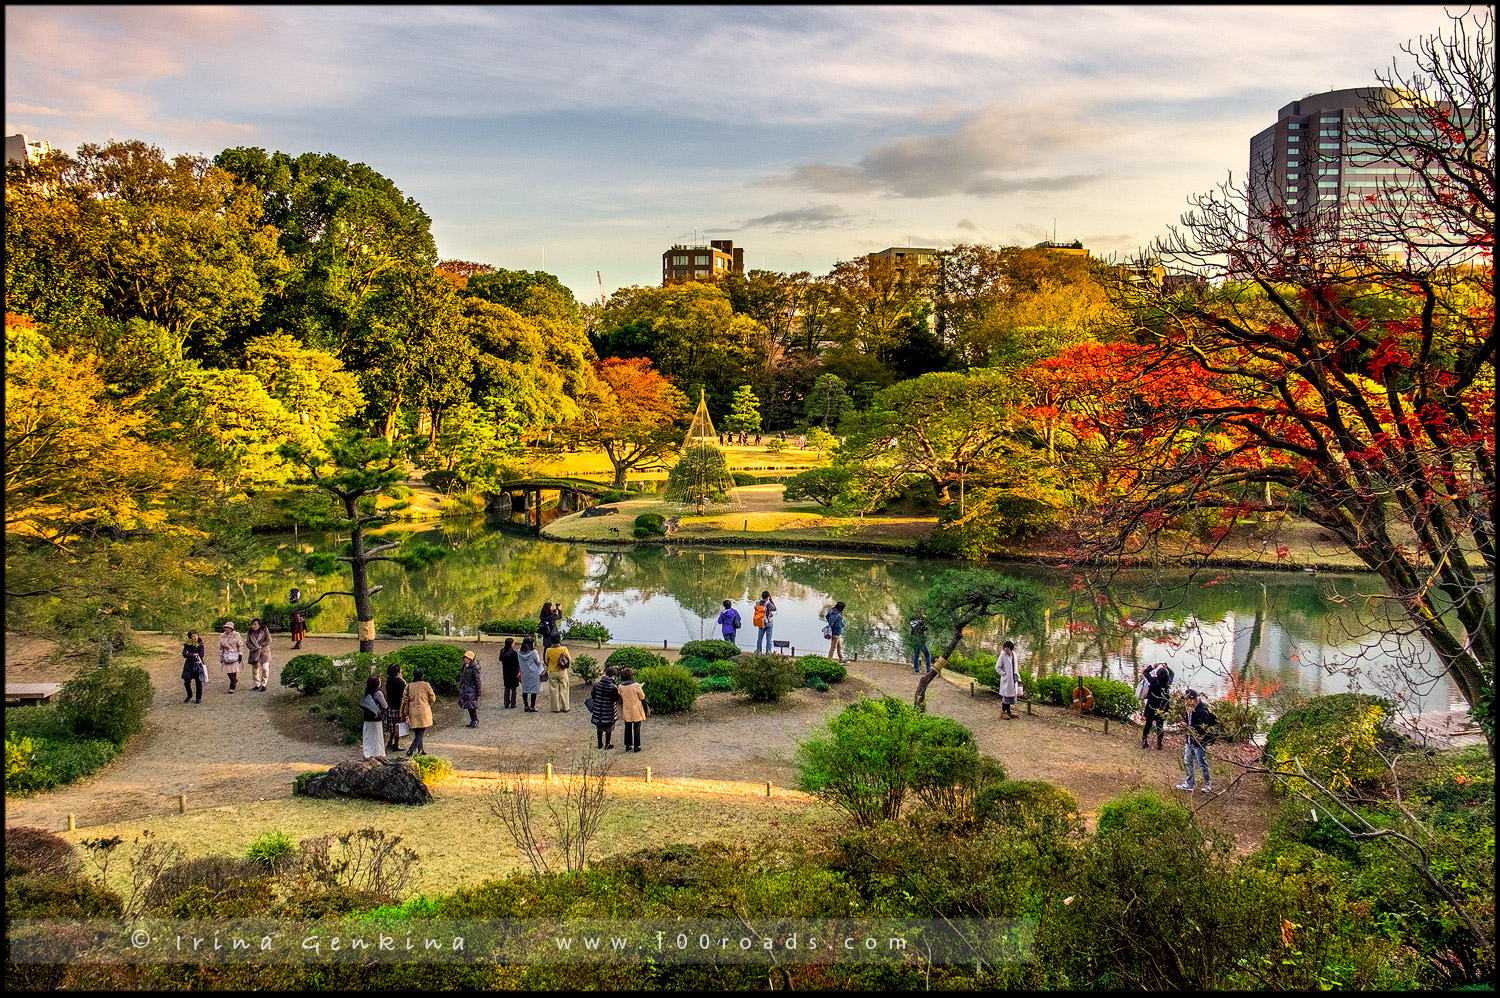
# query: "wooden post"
[[648, 774], [768, 788], [72, 823], [971, 687], [663, 644], [1106, 725], [182, 804], [794, 651], [549, 772], [1028, 706]]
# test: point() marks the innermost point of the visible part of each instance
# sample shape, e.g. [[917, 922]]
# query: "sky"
[[586, 141]]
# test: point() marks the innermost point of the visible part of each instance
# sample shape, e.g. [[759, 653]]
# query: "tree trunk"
[[364, 614]]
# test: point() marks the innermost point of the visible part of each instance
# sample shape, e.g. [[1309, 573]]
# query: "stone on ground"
[[398, 781]]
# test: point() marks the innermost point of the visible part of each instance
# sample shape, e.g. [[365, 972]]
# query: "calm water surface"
[[1319, 634]]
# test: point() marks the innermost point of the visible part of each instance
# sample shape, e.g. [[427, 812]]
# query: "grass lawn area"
[[593, 464], [757, 517]]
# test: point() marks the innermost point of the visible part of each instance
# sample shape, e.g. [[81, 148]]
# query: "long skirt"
[[374, 743]]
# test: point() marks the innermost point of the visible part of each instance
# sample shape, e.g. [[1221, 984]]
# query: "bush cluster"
[[434, 768], [1336, 738], [826, 669], [715, 684], [981, 668], [1111, 698], [631, 657], [440, 663], [444, 480], [766, 678], [587, 631], [669, 688], [309, 673], [516, 627], [42, 751], [1144, 808], [278, 616], [407, 623], [692, 663], [743, 478], [107, 701], [400, 492], [710, 649], [609, 496], [721, 668], [654, 525]]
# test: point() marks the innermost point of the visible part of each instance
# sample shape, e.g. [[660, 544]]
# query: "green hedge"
[[767, 677], [743, 478], [406, 623], [715, 684], [710, 650], [588, 631], [697, 666], [42, 751], [107, 701], [1145, 809], [669, 688], [518, 627], [980, 668], [721, 668], [822, 668], [309, 673], [1336, 738], [1032, 805], [1111, 699], [653, 523], [635, 658], [441, 664]]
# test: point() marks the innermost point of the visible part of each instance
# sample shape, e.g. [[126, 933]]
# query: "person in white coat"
[[1007, 668]]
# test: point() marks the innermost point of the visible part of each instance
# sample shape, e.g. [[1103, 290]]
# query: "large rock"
[[601, 511], [396, 780]]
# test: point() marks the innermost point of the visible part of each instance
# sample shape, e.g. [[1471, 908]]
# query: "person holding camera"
[[1158, 696], [1198, 739]]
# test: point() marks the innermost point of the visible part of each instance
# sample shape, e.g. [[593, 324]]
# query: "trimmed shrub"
[[586, 668], [715, 684], [272, 850], [400, 492], [1335, 737], [981, 668], [587, 631], [710, 650], [73, 759], [309, 673], [406, 623], [670, 689], [722, 668], [742, 478], [640, 533], [653, 523], [634, 658], [817, 683], [822, 668], [1143, 809], [1032, 806], [766, 677], [32, 850], [299, 785], [434, 768], [108, 702], [1111, 698], [441, 664], [518, 627], [609, 496], [444, 480], [692, 663]]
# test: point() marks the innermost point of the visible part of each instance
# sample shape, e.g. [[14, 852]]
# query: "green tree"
[[353, 468], [744, 412], [959, 598], [827, 401], [529, 293], [701, 476], [822, 485]]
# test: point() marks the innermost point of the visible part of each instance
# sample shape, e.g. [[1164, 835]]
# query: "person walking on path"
[[1195, 745], [602, 700], [532, 670], [231, 653], [1008, 669], [416, 708], [193, 668], [834, 631], [1158, 697], [919, 642], [765, 614], [510, 671], [729, 622], [936, 670], [469, 688], [258, 642], [559, 662], [633, 708], [375, 709], [395, 693], [299, 629]]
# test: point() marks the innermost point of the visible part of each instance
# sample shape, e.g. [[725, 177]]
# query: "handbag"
[[588, 704], [827, 631], [373, 711], [1141, 688]]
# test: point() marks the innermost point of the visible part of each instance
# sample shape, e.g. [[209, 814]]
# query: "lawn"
[[593, 464]]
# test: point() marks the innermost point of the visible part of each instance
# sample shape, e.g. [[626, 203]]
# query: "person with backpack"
[[193, 668], [559, 661], [374, 707], [601, 704], [919, 642], [469, 688], [633, 707], [510, 671], [729, 622], [834, 631], [1157, 694], [765, 613], [1008, 669], [532, 671], [1198, 738]]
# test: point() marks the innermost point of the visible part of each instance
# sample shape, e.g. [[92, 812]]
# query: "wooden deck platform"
[[30, 692]]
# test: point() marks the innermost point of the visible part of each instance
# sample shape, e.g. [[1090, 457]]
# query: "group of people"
[[763, 618], [252, 649]]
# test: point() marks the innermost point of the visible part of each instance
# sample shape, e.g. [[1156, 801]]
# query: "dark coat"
[[1159, 689], [192, 662], [510, 667], [468, 686], [606, 694], [1198, 722], [395, 692]]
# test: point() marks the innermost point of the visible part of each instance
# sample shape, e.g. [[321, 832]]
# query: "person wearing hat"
[[1195, 748], [231, 653], [468, 688]]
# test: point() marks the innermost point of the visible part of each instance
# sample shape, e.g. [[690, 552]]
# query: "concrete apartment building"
[[908, 256], [1323, 158], [17, 148], [698, 263]]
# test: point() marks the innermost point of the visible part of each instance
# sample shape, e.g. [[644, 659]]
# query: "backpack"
[[919, 628], [759, 619], [736, 619]]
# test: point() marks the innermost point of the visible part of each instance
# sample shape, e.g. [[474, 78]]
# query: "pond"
[[1319, 634]]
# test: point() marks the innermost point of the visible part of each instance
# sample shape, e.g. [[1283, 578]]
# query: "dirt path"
[[249, 746]]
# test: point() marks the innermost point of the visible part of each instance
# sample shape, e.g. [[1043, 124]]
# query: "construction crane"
[[601, 287]]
